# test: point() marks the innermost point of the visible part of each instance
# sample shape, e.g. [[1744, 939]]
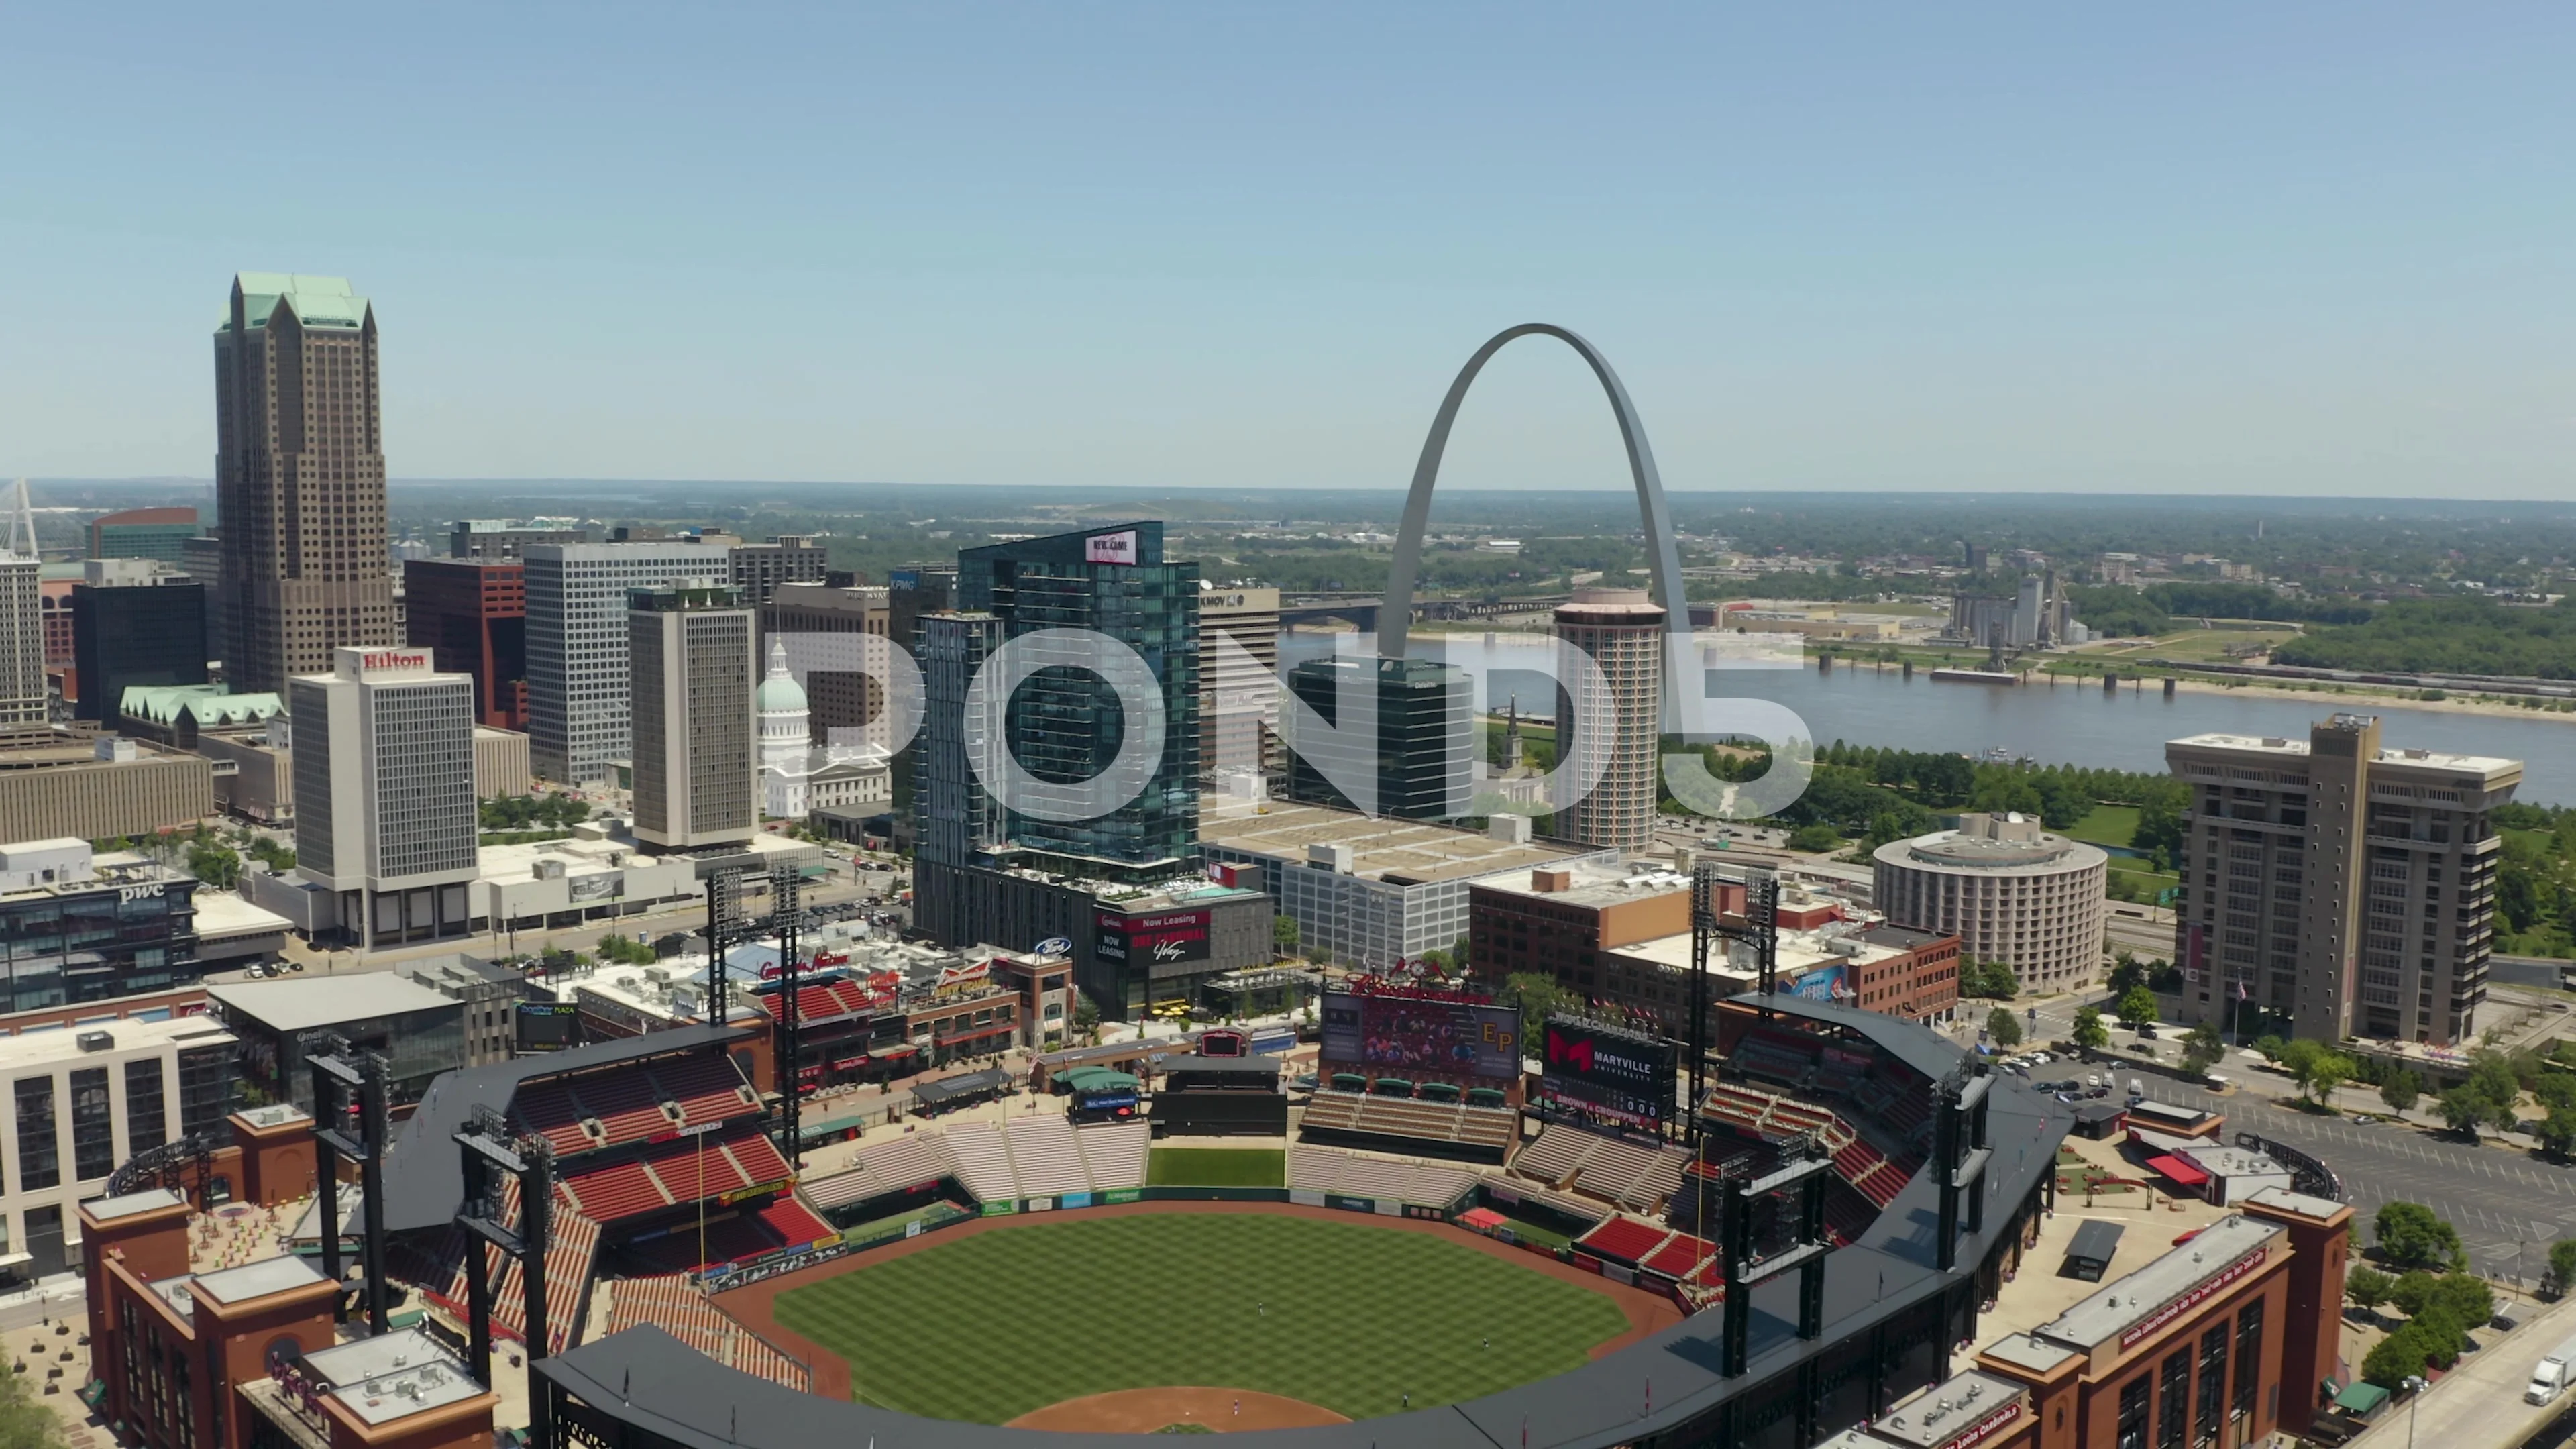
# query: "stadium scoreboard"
[[1623, 1076], [1394, 1030]]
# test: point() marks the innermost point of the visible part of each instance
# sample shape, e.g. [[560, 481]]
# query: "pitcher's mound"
[[1146, 1411]]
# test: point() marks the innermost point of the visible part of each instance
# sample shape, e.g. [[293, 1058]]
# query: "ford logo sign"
[[1054, 946]]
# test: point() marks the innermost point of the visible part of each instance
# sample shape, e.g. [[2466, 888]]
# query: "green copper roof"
[[318, 301], [212, 704]]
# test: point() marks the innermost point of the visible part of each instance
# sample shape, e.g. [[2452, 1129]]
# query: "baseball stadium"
[[1456, 1256]]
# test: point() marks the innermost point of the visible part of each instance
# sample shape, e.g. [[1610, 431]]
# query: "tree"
[[1537, 996], [2004, 1027], [2411, 1235], [2325, 1071], [218, 866], [2461, 1110], [1815, 839], [2398, 1357], [2270, 1048], [2562, 1267], [2400, 1089], [2296, 1056], [25, 1423], [2125, 970], [2202, 1049], [2556, 1133], [2090, 1033], [2137, 1006], [2411, 1291], [2367, 1287], [2465, 1297], [1283, 935]]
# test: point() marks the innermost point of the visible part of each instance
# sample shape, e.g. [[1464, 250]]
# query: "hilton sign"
[[362, 663]]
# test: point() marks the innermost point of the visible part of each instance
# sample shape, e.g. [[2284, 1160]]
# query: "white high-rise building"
[[1617, 723], [797, 776], [385, 814], [689, 655], [22, 620], [578, 701]]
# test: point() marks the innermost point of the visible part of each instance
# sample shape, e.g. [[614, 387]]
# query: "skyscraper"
[[385, 814], [1238, 701], [126, 632], [578, 705], [472, 615], [689, 656], [1063, 725], [1616, 723], [1422, 755], [154, 533], [22, 621], [299, 478], [2344, 885]]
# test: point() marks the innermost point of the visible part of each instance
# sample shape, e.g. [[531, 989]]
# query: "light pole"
[[2414, 1386]]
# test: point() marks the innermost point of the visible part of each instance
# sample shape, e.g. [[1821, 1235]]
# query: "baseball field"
[[1350, 1317]]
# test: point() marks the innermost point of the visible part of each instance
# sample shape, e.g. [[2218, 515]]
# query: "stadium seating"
[[1582, 1208], [1491, 1129], [621, 1190], [1623, 1239], [705, 1088], [757, 1156], [676, 1305], [983, 1162], [1552, 1156], [1114, 1153], [549, 1111], [625, 1105], [1686, 1258], [571, 1253], [792, 1223], [1044, 1157], [1352, 1174]]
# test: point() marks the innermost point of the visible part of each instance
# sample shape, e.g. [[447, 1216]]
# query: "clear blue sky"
[[2295, 248]]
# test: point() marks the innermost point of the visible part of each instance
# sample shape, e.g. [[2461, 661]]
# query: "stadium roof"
[[1913, 1045], [950, 1089], [423, 1179], [651, 1380]]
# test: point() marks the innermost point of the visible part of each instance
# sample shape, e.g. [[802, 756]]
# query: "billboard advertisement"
[[606, 885], [1393, 1032], [548, 1026], [1825, 983], [1613, 1074], [1162, 936]]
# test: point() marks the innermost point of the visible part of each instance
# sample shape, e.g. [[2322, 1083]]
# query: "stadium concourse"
[[1854, 1088]]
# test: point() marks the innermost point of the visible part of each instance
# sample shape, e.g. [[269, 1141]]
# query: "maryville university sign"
[[2193, 1299]]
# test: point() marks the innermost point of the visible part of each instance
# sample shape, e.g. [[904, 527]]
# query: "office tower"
[[472, 616], [384, 797], [299, 478], [1421, 753], [846, 704], [1238, 702], [759, 568], [495, 539], [576, 641], [153, 533], [689, 655], [2337, 882], [129, 630], [1064, 724], [1616, 723], [956, 822], [911, 593], [22, 620]]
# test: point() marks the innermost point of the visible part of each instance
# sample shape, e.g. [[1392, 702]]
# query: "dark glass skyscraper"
[[134, 634], [1422, 755]]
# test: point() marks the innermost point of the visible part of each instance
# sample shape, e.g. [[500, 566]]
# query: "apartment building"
[[2338, 882], [2009, 890]]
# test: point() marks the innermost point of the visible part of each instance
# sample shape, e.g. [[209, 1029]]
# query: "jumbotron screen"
[[1394, 1031], [1620, 1075]]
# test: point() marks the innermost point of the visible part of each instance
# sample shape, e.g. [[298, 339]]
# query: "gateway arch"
[[1687, 711]]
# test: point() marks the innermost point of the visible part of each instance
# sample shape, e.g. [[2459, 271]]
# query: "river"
[[2078, 724]]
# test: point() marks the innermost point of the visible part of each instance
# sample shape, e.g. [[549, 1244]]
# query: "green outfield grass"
[[1345, 1315], [1216, 1167]]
